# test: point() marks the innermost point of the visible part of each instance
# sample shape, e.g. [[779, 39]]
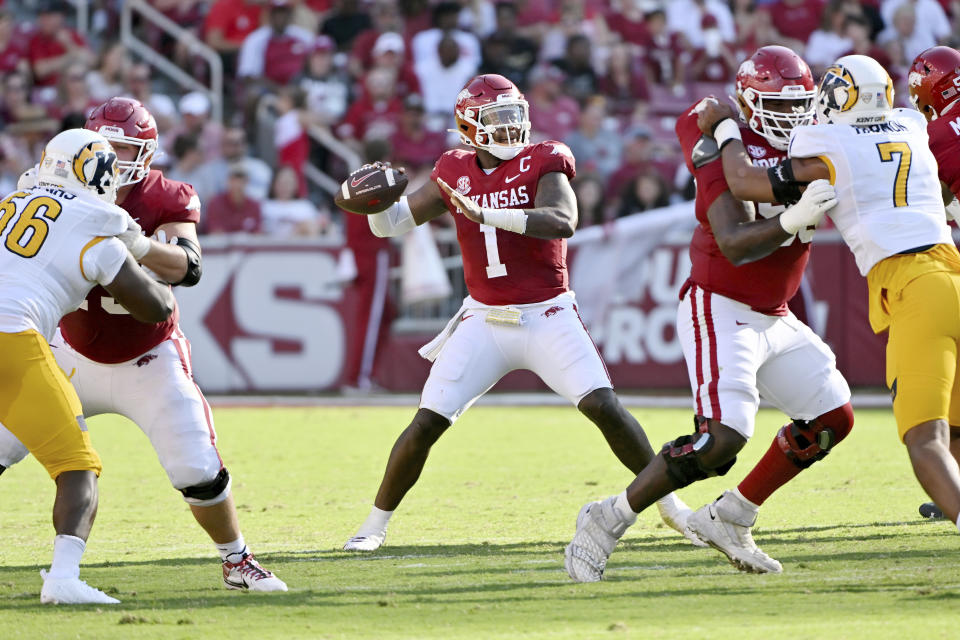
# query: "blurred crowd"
[[607, 77]]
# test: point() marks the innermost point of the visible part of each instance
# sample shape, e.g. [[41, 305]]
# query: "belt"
[[919, 249]]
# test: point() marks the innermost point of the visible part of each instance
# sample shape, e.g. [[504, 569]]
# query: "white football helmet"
[[855, 90], [79, 160]]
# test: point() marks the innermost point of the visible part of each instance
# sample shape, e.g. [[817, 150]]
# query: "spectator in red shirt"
[[390, 51], [661, 49], [857, 30], [74, 93], [13, 50], [273, 54], [54, 45], [228, 23], [233, 211], [796, 19], [386, 19], [715, 61], [376, 112], [414, 146], [639, 157], [624, 83], [555, 113], [290, 135]]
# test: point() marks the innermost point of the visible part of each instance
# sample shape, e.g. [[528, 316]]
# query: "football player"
[[890, 213], [144, 371], [740, 341], [934, 84], [58, 243], [513, 208]]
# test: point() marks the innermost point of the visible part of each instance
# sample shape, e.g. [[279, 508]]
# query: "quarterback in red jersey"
[[740, 341], [144, 371], [934, 84], [514, 208]]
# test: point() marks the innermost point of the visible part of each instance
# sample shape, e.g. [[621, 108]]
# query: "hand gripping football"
[[371, 189]]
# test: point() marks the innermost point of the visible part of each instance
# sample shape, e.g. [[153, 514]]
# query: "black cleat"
[[931, 510], [2, 469]]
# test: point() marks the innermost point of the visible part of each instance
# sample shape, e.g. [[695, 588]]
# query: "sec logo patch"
[[463, 185]]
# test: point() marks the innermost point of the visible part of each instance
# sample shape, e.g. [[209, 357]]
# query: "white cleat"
[[725, 526], [248, 574], [366, 542], [674, 512], [71, 591], [599, 528]]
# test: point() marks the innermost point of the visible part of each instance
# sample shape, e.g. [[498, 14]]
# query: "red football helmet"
[[775, 73], [487, 104], [127, 121], [934, 81]]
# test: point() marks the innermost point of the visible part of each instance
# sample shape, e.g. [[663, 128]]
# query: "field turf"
[[476, 550]]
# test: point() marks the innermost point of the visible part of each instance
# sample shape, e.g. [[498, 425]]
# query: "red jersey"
[[766, 284], [501, 267], [944, 135], [101, 329]]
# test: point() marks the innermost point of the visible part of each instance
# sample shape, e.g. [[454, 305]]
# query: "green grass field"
[[476, 551]]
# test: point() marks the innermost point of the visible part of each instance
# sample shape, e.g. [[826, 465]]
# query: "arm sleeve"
[[100, 262]]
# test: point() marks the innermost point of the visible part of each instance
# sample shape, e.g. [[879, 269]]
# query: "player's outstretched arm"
[[410, 211], [145, 299], [554, 214], [174, 255], [743, 239]]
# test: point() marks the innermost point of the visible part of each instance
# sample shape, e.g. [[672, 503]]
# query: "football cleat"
[[599, 527], [71, 591], [248, 574], [725, 526], [366, 541], [931, 510], [674, 512]]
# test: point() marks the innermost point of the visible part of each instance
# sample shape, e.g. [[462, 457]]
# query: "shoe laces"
[[249, 567]]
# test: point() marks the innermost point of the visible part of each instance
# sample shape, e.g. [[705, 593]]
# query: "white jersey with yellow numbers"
[[888, 190], [55, 245]]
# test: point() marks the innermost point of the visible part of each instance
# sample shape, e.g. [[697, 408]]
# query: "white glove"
[[135, 241], [28, 179], [815, 201]]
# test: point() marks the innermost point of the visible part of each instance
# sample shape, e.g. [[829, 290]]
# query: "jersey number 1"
[[31, 219], [495, 268], [886, 150]]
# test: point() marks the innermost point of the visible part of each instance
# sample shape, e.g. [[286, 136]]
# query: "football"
[[371, 189]]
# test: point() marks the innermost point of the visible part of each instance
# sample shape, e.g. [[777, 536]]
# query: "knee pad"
[[684, 456], [806, 441], [209, 493]]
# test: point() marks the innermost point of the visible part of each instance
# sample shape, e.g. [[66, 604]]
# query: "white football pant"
[[735, 356], [551, 342]]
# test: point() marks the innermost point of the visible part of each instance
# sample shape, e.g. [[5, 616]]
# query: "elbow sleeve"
[[394, 221], [194, 264]]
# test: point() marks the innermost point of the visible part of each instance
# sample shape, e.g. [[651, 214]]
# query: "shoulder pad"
[[704, 152]]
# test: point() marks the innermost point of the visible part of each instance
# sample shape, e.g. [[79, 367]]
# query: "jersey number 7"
[[33, 219], [887, 151]]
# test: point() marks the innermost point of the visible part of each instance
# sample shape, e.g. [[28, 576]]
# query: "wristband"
[[514, 220], [726, 131]]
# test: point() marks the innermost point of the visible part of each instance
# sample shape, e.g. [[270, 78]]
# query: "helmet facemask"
[[506, 119], [775, 125], [131, 171]]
